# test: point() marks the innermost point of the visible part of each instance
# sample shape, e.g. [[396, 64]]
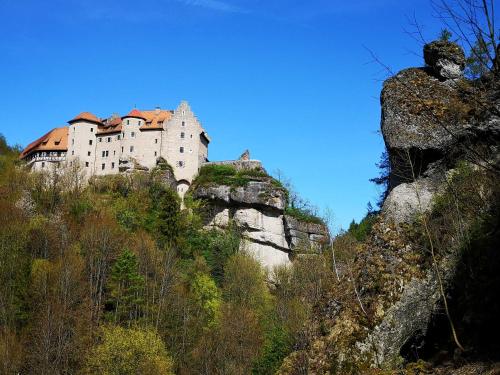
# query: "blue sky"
[[292, 81]]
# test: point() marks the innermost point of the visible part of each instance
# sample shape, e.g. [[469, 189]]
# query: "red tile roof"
[[135, 113], [156, 118], [54, 140], [111, 125], [86, 116]]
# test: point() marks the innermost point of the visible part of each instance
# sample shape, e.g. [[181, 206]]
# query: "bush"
[[227, 175], [303, 215], [128, 351]]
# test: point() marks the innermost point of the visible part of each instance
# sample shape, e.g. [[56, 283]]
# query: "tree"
[[208, 297], [126, 287], [445, 35], [124, 351], [168, 221]]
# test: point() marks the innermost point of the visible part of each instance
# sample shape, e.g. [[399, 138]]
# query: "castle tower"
[[82, 132]]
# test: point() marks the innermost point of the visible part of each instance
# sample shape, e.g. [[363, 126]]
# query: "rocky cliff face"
[[257, 207], [435, 235]]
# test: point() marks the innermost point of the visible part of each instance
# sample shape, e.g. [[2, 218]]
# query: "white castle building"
[[112, 145]]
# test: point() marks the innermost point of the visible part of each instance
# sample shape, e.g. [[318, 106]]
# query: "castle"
[[116, 144]]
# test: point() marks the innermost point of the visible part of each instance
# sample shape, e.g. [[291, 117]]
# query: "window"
[[182, 135], [128, 122], [118, 137], [139, 122], [90, 142], [72, 152], [73, 141], [132, 134], [103, 153], [156, 153], [114, 152], [109, 139], [88, 153], [103, 166], [131, 148], [43, 164], [180, 163], [181, 150], [122, 149], [107, 153], [91, 130], [87, 164], [156, 140], [183, 123], [112, 165], [100, 139]]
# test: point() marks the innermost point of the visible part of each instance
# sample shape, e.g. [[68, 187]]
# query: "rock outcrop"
[[432, 117], [420, 271], [257, 208]]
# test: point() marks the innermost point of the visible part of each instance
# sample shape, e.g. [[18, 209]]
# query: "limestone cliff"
[[423, 282], [241, 192]]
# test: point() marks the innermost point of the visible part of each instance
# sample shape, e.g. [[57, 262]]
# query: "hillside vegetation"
[[113, 278]]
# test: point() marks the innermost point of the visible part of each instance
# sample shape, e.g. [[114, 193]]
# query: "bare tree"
[[473, 22]]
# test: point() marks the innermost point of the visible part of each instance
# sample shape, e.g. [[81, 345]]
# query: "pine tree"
[[126, 286]]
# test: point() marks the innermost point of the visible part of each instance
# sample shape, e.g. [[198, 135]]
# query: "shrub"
[[129, 351], [303, 215]]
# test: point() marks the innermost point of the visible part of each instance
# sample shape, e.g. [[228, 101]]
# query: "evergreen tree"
[[126, 286]]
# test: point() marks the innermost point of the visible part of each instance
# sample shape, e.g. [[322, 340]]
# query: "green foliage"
[[245, 283], [362, 230], [445, 35], [479, 61], [226, 175], [277, 345], [128, 351], [208, 297], [125, 286], [215, 246], [168, 218], [303, 215]]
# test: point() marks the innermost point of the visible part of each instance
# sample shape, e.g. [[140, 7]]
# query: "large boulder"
[[446, 59], [425, 113], [408, 200]]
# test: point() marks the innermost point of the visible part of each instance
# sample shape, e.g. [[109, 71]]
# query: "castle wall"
[[148, 146], [108, 152]]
